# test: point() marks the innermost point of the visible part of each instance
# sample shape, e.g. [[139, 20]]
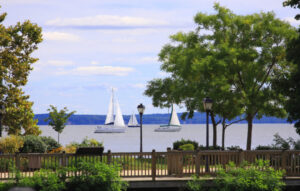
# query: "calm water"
[[129, 141]]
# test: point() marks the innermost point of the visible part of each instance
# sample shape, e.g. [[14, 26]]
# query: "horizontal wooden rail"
[[150, 164]]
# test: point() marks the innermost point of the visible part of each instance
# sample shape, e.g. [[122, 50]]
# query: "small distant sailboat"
[[133, 122], [174, 124], [112, 124]]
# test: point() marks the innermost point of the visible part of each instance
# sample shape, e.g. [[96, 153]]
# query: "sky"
[[92, 46]]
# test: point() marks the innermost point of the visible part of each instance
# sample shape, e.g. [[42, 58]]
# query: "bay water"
[[263, 134]]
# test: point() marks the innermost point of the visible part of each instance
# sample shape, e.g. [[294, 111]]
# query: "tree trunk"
[[249, 136], [223, 135], [58, 138], [214, 129]]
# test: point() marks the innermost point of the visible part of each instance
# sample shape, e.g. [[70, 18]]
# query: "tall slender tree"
[[17, 43], [58, 119]]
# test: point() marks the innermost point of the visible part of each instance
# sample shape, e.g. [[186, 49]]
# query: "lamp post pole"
[[207, 104], [141, 109]]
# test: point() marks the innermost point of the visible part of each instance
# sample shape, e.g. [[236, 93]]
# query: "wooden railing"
[[151, 164]]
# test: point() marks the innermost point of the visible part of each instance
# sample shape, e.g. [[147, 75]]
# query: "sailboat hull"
[[168, 128], [133, 126], [109, 129]]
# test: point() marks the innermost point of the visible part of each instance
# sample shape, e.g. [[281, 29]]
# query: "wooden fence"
[[151, 164]]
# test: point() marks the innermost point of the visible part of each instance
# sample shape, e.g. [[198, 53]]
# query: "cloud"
[[292, 21], [98, 70], [60, 36], [139, 85], [100, 21], [60, 63], [94, 63]]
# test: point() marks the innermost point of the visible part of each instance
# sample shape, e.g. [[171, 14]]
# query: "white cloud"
[[292, 21], [60, 63], [98, 70], [106, 20], [60, 36], [139, 85], [94, 63], [149, 59]]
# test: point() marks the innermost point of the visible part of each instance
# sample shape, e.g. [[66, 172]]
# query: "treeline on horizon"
[[199, 118]]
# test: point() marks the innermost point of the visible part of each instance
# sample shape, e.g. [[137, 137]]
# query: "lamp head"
[[207, 103], [141, 109]]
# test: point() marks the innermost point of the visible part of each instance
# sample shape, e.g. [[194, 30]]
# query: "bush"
[[43, 180], [234, 148], [244, 178], [33, 144], [97, 177], [90, 143], [11, 144], [177, 144], [187, 147], [265, 147], [50, 143], [201, 147]]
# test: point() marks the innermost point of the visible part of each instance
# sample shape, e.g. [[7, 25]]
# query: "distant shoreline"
[[152, 119]]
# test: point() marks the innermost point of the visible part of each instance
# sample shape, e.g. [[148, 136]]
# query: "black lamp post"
[[207, 103], [1, 116], [141, 109]]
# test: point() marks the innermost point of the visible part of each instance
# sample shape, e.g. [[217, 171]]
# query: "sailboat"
[[133, 122], [112, 124], [174, 124]]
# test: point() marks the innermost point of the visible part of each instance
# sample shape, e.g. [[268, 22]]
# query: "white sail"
[[132, 121], [110, 114], [119, 117], [174, 118]]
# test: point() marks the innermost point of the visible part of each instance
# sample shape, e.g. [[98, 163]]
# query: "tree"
[[294, 4], [233, 59], [58, 119], [17, 43], [289, 83]]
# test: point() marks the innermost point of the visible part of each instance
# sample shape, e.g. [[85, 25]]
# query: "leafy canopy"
[[58, 119], [17, 43]]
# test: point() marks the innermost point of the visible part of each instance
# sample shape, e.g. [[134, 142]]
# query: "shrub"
[[50, 143], [177, 144], [201, 147], [234, 148], [6, 164], [90, 143], [43, 180], [33, 144], [187, 147], [244, 178], [11, 144], [97, 177]]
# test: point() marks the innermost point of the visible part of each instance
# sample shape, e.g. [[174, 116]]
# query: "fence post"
[[17, 155], [241, 156], [197, 162], [284, 161], [64, 161], [108, 157], [153, 173], [169, 161]]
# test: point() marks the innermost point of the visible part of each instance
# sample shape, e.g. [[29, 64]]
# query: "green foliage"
[[177, 144], [17, 44], [248, 177], [201, 147], [226, 68], [58, 119], [43, 180], [86, 142], [187, 147], [11, 144], [234, 148], [50, 143], [6, 164], [97, 176], [33, 144], [295, 4]]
